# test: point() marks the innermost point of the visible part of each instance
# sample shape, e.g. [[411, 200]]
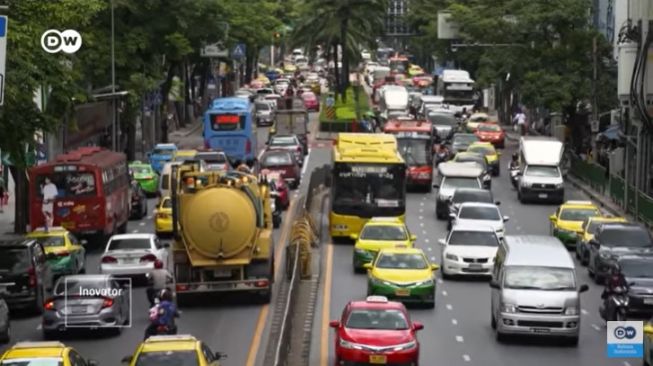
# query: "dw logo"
[[68, 41], [625, 332], [625, 339]]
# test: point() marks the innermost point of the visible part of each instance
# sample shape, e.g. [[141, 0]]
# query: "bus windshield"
[[69, 184], [415, 151], [369, 190]]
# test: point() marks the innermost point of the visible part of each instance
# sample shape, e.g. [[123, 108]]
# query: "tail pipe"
[[175, 204]]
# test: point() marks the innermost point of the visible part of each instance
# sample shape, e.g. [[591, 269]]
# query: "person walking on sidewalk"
[[520, 122], [50, 192]]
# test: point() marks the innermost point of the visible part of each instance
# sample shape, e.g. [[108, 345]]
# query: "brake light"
[[107, 303], [31, 272], [182, 287], [262, 283], [299, 149], [148, 258], [49, 305], [63, 254], [109, 259], [248, 146]]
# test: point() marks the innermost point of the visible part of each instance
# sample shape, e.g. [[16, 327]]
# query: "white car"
[[469, 250], [479, 214], [133, 254]]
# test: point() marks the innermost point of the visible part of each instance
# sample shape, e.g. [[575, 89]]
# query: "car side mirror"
[[413, 237], [334, 324], [353, 236], [552, 218], [583, 288], [367, 265], [127, 359], [494, 284], [452, 216], [506, 218], [92, 363], [435, 267], [498, 203], [418, 326], [220, 356], [442, 241]]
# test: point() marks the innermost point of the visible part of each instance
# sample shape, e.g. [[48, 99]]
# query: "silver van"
[[452, 175], [534, 289]]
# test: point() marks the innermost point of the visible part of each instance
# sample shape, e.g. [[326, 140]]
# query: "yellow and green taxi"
[[567, 221], [379, 233], [66, 253], [588, 229], [404, 274], [173, 350], [648, 342], [492, 156], [415, 70], [474, 120], [163, 217], [44, 353], [145, 175]]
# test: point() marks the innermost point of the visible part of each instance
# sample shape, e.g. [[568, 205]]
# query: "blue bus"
[[229, 125]]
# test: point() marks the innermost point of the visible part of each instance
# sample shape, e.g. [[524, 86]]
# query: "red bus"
[[415, 140], [93, 192]]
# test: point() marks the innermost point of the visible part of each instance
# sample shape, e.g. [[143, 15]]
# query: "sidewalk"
[[189, 137]]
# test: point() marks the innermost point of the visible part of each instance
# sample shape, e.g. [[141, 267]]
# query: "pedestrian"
[[3, 194], [50, 192], [520, 122]]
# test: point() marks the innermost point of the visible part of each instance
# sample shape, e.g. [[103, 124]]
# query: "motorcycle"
[[615, 305], [277, 210], [441, 155], [514, 175]]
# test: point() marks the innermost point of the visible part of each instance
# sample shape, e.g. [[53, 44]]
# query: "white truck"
[[539, 173], [394, 98], [457, 88]]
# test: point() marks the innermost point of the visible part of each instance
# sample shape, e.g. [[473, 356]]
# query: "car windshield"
[[79, 286], [479, 213], [487, 127], [475, 158], [283, 141], [639, 268], [480, 238], [51, 241], [277, 159], [578, 214], [14, 259], [141, 170], [167, 203], [168, 358], [159, 151], [539, 278], [383, 232], [593, 226], [464, 140], [460, 182], [129, 244], [39, 361], [483, 150], [401, 261], [379, 319], [416, 152], [542, 171], [625, 237], [479, 118], [262, 107]]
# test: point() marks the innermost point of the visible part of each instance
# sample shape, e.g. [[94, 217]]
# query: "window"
[[39, 253], [167, 203], [459, 182], [69, 184], [401, 261], [539, 278], [74, 286], [283, 141], [386, 319], [380, 232], [168, 358], [14, 259], [76, 359], [624, 237], [487, 127], [480, 238], [578, 214], [542, 171], [132, 243], [636, 268], [51, 241], [276, 159], [37, 361], [479, 213], [208, 354]]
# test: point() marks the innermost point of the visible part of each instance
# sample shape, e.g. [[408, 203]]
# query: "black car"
[[25, 276], [613, 240], [637, 270], [138, 202], [462, 195]]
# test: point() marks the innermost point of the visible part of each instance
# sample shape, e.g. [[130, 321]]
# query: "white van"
[[165, 181], [540, 177]]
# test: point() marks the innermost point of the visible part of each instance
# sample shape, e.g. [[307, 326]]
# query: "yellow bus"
[[368, 180]]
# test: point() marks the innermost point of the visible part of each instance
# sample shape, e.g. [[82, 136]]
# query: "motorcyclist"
[[442, 153], [514, 163], [159, 279], [614, 281], [162, 316]]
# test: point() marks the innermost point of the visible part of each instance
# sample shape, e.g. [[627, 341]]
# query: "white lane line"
[[430, 249], [135, 231], [306, 162], [583, 311], [440, 280], [426, 240], [444, 293], [626, 363], [460, 339], [421, 224], [141, 224], [149, 217], [421, 210], [421, 203], [596, 327], [449, 307], [424, 232], [421, 217], [466, 358], [432, 259], [518, 228], [38, 327], [454, 321]]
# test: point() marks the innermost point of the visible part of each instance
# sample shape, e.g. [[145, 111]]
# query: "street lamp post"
[[114, 126]]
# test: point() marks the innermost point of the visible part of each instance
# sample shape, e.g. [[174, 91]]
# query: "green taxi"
[[66, 253], [379, 233], [567, 221], [146, 177]]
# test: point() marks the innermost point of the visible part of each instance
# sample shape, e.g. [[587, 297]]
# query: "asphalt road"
[[235, 325], [457, 331]]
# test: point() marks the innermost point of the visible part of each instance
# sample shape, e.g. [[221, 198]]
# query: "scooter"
[[615, 306], [277, 210], [514, 176]]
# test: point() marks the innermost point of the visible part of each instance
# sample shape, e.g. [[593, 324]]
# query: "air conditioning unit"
[[616, 161]]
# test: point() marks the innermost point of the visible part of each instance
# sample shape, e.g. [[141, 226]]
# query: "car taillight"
[[148, 258], [31, 272], [248, 147], [109, 259], [63, 254], [49, 305], [182, 288], [107, 303], [299, 149]]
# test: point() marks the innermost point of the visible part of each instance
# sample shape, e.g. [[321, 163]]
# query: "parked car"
[[69, 254], [283, 162], [87, 301], [132, 254], [310, 101], [25, 275], [290, 143], [138, 201]]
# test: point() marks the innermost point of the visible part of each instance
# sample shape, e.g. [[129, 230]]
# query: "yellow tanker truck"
[[223, 239]]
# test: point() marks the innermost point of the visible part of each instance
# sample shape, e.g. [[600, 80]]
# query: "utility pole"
[[594, 125], [114, 109]]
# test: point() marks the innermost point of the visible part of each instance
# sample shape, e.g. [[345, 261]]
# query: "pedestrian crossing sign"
[[239, 51]]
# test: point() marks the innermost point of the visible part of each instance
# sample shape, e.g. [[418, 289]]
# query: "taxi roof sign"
[[578, 202], [167, 338], [28, 344], [377, 299]]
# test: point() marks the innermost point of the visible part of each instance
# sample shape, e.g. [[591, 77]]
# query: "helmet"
[[166, 295], [158, 264], [515, 156]]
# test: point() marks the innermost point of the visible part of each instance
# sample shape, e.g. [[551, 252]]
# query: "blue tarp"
[[612, 133]]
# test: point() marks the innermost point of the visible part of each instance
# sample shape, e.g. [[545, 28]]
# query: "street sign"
[[3, 55], [239, 51], [214, 50]]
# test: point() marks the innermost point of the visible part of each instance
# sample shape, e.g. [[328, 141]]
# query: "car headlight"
[[405, 346], [377, 281], [571, 311], [526, 184], [508, 308], [605, 255], [350, 345], [451, 257], [428, 282], [560, 185]]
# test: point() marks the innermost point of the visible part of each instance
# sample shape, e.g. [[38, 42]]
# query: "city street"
[[457, 331]]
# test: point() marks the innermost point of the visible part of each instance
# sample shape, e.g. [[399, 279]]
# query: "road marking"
[[596, 327], [430, 249], [421, 224], [440, 280], [326, 304], [444, 293], [421, 217], [265, 309], [421, 210], [626, 363], [421, 203], [518, 228], [149, 217], [583, 311], [135, 231], [424, 232], [432, 259], [466, 358], [306, 162], [426, 240], [39, 327], [449, 307], [454, 321], [460, 339], [141, 224]]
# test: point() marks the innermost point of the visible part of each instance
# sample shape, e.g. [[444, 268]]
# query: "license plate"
[[540, 330], [543, 195], [77, 309], [402, 292], [130, 260], [222, 273], [648, 301], [475, 266], [378, 359]]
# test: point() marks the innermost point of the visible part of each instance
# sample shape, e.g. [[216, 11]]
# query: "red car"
[[280, 186], [376, 331], [310, 101], [282, 162], [491, 132]]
